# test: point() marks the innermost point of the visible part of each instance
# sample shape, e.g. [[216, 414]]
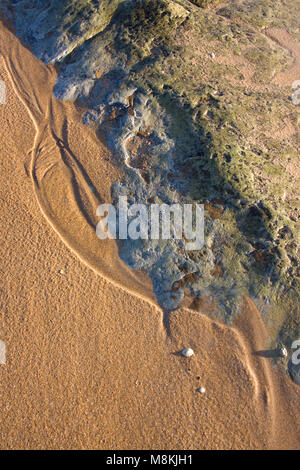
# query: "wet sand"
[[92, 362]]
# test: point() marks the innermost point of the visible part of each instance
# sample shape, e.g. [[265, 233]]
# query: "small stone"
[[212, 55], [201, 390], [187, 352], [61, 271], [282, 351]]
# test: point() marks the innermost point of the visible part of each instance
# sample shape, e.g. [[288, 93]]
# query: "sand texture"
[[92, 360]]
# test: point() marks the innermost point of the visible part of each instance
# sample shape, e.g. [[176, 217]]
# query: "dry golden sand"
[[89, 363]]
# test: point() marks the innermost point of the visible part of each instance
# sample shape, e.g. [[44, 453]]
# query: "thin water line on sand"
[[42, 129]]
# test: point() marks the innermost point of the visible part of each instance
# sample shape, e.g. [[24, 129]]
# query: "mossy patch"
[[204, 3]]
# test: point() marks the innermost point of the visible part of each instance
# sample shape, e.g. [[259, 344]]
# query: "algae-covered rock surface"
[[195, 99]]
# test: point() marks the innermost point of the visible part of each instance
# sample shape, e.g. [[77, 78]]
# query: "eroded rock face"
[[188, 100], [54, 28]]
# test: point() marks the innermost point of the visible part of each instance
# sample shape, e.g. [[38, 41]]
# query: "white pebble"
[[283, 352], [61, 271], [201, 390], [187, 352]]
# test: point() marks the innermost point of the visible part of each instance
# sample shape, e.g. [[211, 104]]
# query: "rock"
[[282, 351], [60, 271], [187, 352], [201, 390]]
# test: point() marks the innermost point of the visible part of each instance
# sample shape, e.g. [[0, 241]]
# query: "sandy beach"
[[92, 361]]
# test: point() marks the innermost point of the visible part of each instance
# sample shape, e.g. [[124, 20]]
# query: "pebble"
[[61, 271], [201, 390], [187, 352], [282, 351]]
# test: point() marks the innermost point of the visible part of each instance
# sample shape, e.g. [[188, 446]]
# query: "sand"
[[92, 361]]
